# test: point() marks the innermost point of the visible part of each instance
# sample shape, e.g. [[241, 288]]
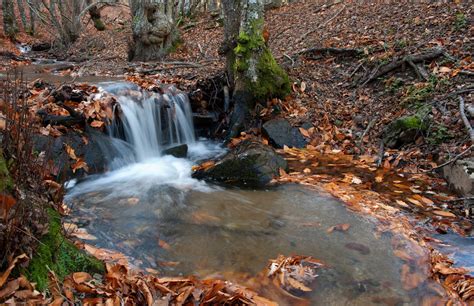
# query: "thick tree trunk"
[[153, 30], [9, 22], [255, 74]]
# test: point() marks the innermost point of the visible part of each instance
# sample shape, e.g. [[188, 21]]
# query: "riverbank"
[[375, 143]]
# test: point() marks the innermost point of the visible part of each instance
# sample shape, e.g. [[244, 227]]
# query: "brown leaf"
[[97, 124], [163, 244], [340, 227], [5, 274], [70, 151], [79, 164], [81, 277], [444, 213], [304, 132]]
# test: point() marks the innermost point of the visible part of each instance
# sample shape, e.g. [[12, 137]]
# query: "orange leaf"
[[81, 277], [70, 151], [97, 124], [444, 213], [79, 164]]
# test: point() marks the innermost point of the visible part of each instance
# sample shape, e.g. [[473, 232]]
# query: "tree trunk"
[[33, 6], [21, 10], [94, 12], [153, 30], [254, 73], [9, 22]]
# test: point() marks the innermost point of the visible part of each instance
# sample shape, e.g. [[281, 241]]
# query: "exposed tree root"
[[409, 59]]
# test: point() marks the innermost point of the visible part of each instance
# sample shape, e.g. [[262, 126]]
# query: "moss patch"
[[58, 254], [269, 79], [6, 182]]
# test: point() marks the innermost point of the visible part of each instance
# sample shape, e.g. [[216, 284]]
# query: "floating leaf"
[[444, 213]]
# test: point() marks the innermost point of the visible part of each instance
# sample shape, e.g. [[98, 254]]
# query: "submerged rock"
[[281, 133], [251, 164], [180, 151]]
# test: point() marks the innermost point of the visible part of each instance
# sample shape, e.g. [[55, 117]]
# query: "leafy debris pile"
[[121, 285]]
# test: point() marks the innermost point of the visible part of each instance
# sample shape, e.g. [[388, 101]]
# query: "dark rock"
[[94, 148], [180, 151], [251, 164], [404, 131], [307, 125], [281, 133], [42, 46]]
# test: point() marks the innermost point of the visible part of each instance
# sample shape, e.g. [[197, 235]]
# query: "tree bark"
[[94, 13], [9, 22], [253, 71], [154, 31]]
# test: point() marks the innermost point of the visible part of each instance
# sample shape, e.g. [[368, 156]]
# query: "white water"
[[153, 121], [149, 123]]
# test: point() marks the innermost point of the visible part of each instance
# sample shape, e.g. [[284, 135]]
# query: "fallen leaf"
[[97, 124], [70, 151], [444, 213], [81, 277]]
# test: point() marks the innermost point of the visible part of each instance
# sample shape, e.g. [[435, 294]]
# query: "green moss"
[[410, 123], [271, 80], [58, 254], [99, 24], [6, 183], [460, 22]]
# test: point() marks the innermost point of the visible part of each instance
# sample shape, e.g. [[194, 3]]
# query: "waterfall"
[[151, 121]]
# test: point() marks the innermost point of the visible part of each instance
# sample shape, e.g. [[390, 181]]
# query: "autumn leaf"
[[70, 151], [443, 213], [81, 277], [304, 132], [340, 227], [97, 124], [79, 164]]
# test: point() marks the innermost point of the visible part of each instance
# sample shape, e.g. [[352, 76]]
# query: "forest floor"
[[331, 54]]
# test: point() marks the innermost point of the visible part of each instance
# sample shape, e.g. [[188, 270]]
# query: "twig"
[[355, 70], [290, 58], [320, 26], [369, 126], [465, 120], [453, 159], [381, 153]]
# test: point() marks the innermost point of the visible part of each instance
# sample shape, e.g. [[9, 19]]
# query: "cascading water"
[[151, 121]]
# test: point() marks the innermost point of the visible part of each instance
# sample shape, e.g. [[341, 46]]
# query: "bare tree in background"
[[253, 71], [10, 27]]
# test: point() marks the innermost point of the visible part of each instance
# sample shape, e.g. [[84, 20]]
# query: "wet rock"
[[251, 164], [404, 131], [95, 149], [281, 133], [460, 176], [41, 46], [180, 151]]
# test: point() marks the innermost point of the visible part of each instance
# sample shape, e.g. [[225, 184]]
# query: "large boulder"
[[281, 133], [251, 164], [460, 177]]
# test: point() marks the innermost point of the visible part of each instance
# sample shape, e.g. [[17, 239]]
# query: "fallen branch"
[[361, 139], [415, 58], [465, 120], [337, 51], [453, 159]]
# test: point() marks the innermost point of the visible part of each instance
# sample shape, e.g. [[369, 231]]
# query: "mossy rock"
[[404, 130], [6, 183], [58, 254]]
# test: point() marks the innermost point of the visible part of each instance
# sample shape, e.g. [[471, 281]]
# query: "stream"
[[149, 208]]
